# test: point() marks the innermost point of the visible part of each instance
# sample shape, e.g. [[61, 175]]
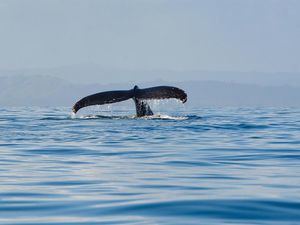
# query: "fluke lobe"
[[138, 95]]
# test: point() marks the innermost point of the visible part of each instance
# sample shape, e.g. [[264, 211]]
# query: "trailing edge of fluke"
[[138, 95]]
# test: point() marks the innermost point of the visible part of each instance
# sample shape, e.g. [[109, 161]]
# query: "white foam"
[[165, 117], [73, 115], [156, 116]]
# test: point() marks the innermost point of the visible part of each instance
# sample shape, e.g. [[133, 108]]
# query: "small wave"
[[102, 117], [154, 117], [195, 117], [165, 117]]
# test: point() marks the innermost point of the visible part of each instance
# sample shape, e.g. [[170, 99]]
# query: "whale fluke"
[[138, 95], [161, 92], [102, 98]]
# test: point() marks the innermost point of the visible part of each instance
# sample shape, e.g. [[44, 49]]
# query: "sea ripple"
[[208, 166]]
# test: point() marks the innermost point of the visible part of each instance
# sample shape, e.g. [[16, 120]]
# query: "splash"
[[129, 117], [87, 117], [167, 109], [166, 106], [73, 115], [164, 117]]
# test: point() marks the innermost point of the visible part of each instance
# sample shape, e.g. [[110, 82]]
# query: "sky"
[[186, 35]]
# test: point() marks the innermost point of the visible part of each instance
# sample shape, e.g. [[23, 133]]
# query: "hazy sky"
[[247, 35]]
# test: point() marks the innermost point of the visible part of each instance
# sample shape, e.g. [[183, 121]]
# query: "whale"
[[138, 95]]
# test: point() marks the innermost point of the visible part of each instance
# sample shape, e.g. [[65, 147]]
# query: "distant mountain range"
[[52, 91], [90, 73]]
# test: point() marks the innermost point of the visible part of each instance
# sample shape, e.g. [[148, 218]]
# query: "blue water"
[[207, 166]]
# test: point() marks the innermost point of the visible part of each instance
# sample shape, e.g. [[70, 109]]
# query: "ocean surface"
[[205, 166]]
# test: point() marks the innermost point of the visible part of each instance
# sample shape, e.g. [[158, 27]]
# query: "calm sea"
[[207, 166]]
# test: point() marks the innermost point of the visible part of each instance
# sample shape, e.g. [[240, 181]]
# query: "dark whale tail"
[[138, 95]]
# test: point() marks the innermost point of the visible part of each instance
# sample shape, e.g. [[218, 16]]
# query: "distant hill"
[[52, 91], [89, 73]]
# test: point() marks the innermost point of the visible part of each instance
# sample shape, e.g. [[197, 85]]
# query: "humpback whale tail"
[[138, 95]]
